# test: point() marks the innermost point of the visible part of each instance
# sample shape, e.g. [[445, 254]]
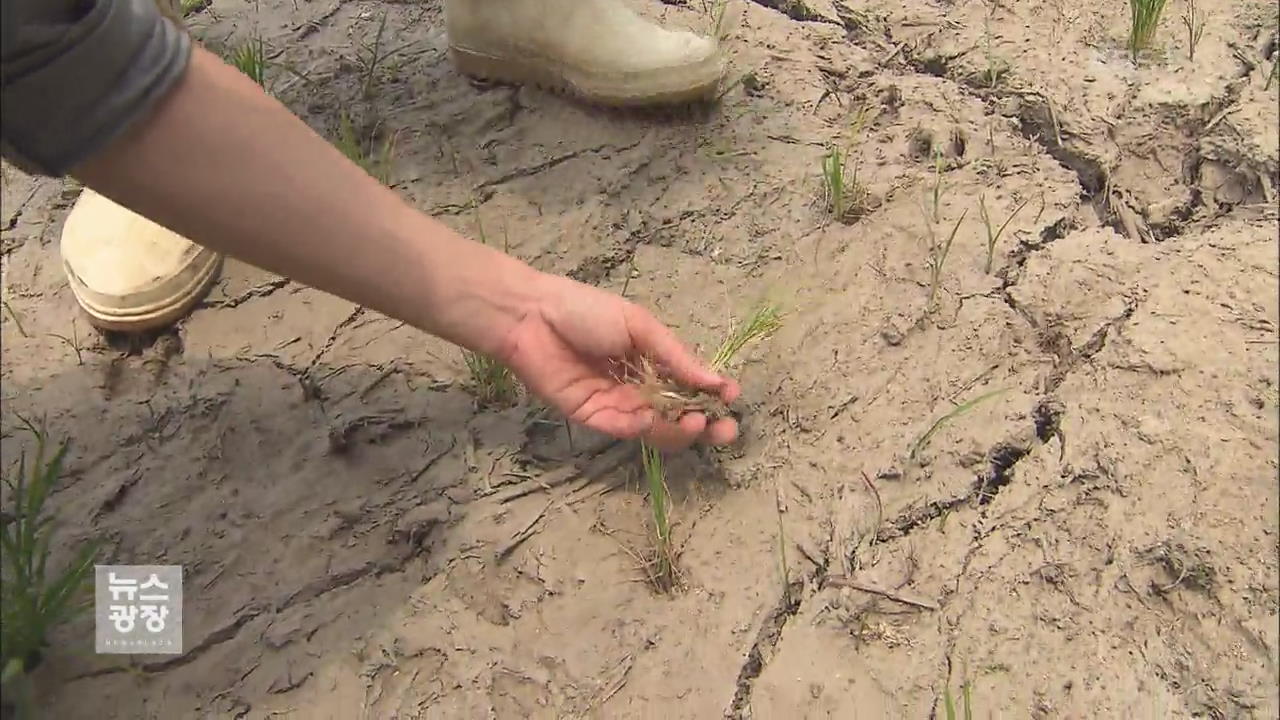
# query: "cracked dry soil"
[[1099, 540]]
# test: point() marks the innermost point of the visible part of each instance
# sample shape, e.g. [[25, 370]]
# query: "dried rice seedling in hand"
[[672, 399], [668, 398]]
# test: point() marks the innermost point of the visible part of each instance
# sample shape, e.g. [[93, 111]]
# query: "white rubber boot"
[[127, 272], [598, 50]]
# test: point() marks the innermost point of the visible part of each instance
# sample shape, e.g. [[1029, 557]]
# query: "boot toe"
[[598, 50], [127, 272]]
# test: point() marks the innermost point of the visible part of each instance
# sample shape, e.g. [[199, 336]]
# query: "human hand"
[[564, 349]]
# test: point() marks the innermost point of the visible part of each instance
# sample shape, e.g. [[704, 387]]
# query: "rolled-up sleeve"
[[76, 74]]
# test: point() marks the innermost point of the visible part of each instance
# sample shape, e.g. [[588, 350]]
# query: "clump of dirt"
[[1186, 567]]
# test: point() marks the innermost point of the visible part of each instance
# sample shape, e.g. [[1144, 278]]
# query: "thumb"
[[650, 337]]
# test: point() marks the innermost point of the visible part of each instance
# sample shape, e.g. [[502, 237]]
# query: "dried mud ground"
[[361, 540]]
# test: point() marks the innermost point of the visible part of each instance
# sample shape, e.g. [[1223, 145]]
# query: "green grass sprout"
[[717, 12], [938, 253], [13, 315], [34, 598], [251, 59], [1144, 21], [765, 319], [838, 190], [378, 163], [664, 576], [996, 68], [966, 699], [492, 382], [994, 237], [847, 198], [937, 185], [782, 548], [955, 412]]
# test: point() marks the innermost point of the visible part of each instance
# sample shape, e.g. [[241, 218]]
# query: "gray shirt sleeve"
[[76, 74]]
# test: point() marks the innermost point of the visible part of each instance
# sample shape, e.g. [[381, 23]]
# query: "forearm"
[[224, 164]]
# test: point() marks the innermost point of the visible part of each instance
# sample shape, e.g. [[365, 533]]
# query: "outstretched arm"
[[194, 145], [226, 165]]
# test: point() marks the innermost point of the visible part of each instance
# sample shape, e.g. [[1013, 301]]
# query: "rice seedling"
[[994, 72], [937, 185], [847, 195], [782, 547], [717, 12], [251, 59], [347, 142], [377, 163], [994, 237], [664, 575], [833, 178], [1193, 19], [1144, 21], [72, 342], [492, 382], [865, 116], [957, 411], [13, 315], [372, 56], [996, 68], [847, 198], [938, 253], [949, 705], [765, 319], [35, 599]]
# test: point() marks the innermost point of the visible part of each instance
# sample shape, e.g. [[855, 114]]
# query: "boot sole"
[[157, 315], [602, 92]]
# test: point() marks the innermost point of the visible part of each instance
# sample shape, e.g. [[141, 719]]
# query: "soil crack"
[[545, 165], [798, 11], [258, 291], [1000, 460], [767, 638]]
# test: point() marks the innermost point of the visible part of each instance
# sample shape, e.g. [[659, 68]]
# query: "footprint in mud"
[[920, 144], [156, 350], [923, 145]]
